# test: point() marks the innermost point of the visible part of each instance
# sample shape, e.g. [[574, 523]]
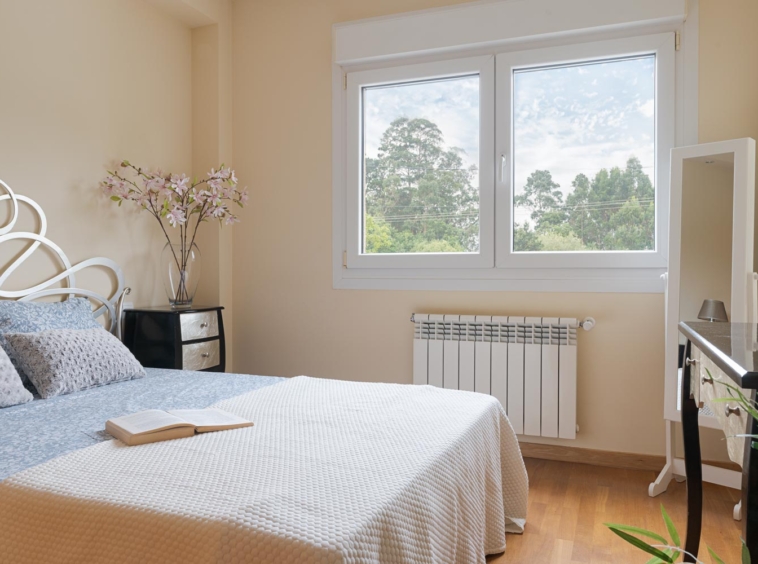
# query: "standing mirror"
[[710, 257]]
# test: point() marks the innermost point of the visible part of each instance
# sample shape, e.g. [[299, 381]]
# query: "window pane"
[[584, 157], [421, 167]]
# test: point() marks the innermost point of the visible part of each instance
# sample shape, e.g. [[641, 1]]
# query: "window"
[[420, 165], [532, 165], [587, 129], [584, 156]]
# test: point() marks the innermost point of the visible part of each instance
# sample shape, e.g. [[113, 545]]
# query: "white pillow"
[[61, 361], [12, 391]]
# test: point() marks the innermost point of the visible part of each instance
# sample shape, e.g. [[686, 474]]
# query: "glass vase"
[[180, 267]]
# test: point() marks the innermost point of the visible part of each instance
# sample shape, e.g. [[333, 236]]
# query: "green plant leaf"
[[670, 526], [748, 404], [656, 560], [642, 545], [115, 198], [715, 557], [643, 532], [745, 554]]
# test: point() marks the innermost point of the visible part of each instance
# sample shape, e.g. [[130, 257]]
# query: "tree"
[[378, 236], [616, 211], [420, 198], [543, 197], [633, 227], [524, 239], [422, 191], [556, 241]]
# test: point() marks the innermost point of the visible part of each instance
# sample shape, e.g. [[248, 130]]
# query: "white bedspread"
[[331, 472]]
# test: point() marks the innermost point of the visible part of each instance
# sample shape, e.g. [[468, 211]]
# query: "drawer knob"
[[690, 361], [205, 355], [732, 411], [706, 380], [203, 325]]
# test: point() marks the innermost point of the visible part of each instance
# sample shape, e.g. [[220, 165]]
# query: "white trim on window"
[[493, 24], [484, 67], [367, 45], [662, 46]]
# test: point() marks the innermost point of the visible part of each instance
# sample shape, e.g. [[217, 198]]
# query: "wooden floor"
[[568, 504]]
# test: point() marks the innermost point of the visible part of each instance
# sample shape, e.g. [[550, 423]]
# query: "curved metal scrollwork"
[[103, 304]]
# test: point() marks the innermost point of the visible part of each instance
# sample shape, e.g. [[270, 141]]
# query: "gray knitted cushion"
[[12, 391], [61, 361], [28, 317]]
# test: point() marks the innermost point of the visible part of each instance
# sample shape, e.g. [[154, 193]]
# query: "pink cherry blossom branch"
[[175, 198]]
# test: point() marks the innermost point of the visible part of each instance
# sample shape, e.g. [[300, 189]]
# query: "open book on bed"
[[155, 425]]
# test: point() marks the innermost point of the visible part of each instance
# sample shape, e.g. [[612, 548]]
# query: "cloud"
[[452, 104], [599, 116], [647, 108]]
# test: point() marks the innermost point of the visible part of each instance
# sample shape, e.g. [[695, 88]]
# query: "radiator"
[[528, 363]]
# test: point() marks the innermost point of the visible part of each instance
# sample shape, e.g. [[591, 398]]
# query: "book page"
[[149, 421], [210, 419]]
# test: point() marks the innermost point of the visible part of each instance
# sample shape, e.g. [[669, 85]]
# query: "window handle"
[[503, 162]]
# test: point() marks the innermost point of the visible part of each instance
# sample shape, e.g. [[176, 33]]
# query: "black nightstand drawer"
[[188, 339]]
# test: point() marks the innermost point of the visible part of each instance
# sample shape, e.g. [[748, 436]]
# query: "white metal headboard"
[[110, 305]]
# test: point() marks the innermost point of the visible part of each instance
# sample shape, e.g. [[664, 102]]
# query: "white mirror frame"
[[742, 287], [103, 304]]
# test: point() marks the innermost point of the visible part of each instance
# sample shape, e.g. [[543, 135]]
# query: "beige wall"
[[84, 83], [706, 251], [290, 321], [212, 146]]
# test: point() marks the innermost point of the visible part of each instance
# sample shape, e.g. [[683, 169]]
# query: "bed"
[[332, 471]]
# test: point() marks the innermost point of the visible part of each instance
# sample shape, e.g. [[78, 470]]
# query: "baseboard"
[[610, 459]]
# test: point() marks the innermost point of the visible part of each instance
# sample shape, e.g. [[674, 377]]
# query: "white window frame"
[[662, 46], [498, 28], [484, 67]]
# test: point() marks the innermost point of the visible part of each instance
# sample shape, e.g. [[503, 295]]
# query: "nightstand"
[[184, 339]]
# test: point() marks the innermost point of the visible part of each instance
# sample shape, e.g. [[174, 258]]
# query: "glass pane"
[[584, 157], [421, 167]]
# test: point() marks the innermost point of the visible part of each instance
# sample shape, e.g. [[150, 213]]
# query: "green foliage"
[[524, 239], [556, 241], [642, 545], [664, 552], [668, 552], [736, 395], [544, 198], [670, 526], [378, 236], [638, 531], [613, 211], [419, 195], [715, 557]]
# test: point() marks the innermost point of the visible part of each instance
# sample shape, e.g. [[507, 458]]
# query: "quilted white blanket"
[[331, 472]]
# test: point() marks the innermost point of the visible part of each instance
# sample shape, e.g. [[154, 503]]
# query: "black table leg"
[[692, 464]]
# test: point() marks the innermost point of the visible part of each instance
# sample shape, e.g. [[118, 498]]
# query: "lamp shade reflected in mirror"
[[713, 310]]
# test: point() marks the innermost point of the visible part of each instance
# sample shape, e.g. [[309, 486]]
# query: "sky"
[[568, 120], [452, 104], [581, 118]]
